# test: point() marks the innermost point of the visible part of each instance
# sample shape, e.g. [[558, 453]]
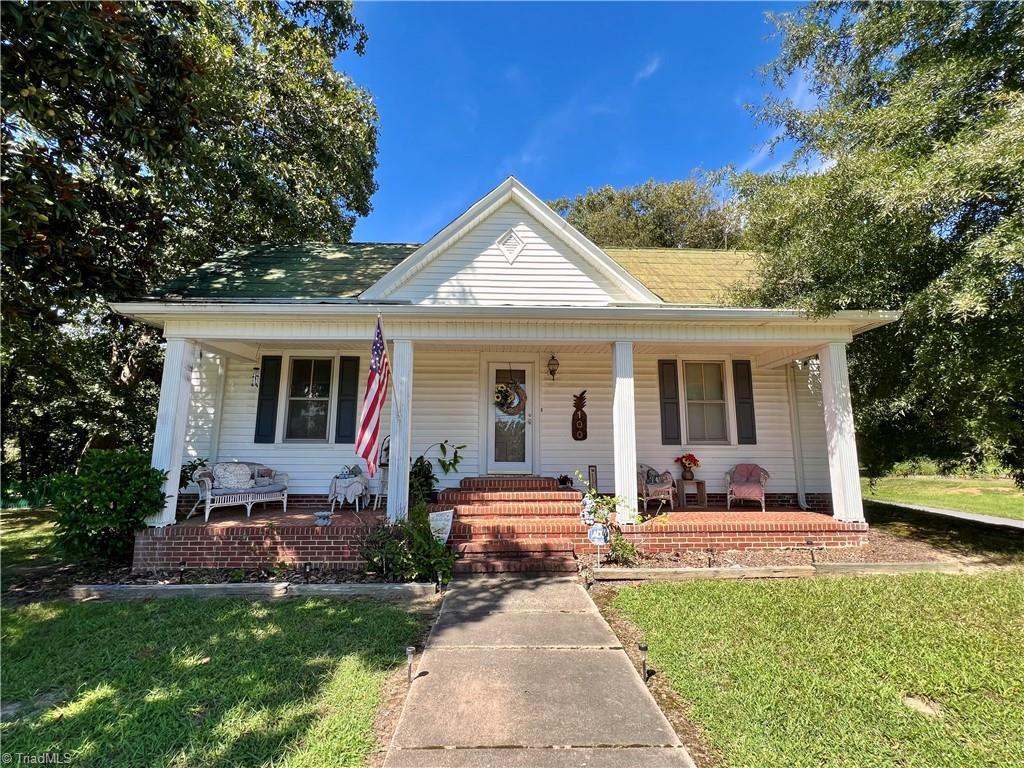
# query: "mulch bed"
[[882, 547]]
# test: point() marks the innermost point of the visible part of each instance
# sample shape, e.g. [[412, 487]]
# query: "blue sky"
[[564, 96]]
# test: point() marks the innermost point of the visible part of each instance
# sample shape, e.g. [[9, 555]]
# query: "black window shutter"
[[743, 384], [266, 402], [348, 393], [668, 387]]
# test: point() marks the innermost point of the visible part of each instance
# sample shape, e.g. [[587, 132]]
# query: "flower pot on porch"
[[687, 474]]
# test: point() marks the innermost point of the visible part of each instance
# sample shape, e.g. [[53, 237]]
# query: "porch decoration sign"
[[579, 416]]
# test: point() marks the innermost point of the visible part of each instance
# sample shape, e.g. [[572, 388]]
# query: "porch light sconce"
[[255, 377], [552, 366]]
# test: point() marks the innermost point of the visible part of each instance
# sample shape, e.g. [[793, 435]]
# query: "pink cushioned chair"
[[746, 481]]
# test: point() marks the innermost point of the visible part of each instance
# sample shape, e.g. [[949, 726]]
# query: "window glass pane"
[[714, 421], [300, 378], [307, 420], [713, 387], [321, 378], [694, 382], [695, 421]]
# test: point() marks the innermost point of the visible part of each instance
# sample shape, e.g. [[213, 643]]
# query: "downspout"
[[794, 430]]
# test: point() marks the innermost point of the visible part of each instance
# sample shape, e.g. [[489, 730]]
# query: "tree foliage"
[[138, 140], [918, 135], [674, 214]]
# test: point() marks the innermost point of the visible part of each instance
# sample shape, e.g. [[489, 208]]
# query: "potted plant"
[[564, 481], [688, 462]]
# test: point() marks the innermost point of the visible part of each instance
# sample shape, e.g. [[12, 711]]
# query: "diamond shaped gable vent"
[[511, 245]]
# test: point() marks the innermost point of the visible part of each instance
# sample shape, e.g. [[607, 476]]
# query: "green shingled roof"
[[295, 271], [344, 270]]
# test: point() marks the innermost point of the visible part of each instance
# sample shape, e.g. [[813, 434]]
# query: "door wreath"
[[510, 398]]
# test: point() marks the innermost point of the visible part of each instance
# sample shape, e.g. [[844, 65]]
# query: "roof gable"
[[510, 248]]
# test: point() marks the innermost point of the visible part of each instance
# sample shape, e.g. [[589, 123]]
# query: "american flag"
[[368, 439]]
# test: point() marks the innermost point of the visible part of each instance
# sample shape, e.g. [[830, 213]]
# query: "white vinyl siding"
[[475, 270], [446, 405], [774, 449], [811, 417]]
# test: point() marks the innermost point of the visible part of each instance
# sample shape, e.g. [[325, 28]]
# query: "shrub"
[[23, 495], [100, 509], [421, 481], [408, 550], [188, 469], [621, 551]]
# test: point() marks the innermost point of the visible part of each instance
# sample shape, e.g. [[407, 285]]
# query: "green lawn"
[[26, 539], [982, 495], [814, 672], [200, 682]]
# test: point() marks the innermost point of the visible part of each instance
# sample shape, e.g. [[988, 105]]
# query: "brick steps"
[[460, 496], [524, 547], [544, 510], [509, 483], [517, 565]]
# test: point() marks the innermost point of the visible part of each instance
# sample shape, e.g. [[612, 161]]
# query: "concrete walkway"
[[971, 517], [523, 672]]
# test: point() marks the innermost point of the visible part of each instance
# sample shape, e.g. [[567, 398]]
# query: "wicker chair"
[[746, 481], [269, 485], [652, 485]]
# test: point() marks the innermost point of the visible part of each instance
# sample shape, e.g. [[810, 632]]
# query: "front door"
[[510, 418]]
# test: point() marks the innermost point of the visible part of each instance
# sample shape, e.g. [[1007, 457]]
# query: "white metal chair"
[[383, 460]]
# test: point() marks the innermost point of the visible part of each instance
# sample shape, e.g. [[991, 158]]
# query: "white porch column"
[[401, 430], [624, 429], [171, 418], [843, 467]]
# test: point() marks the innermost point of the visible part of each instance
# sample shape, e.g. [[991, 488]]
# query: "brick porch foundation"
[[230, 540]]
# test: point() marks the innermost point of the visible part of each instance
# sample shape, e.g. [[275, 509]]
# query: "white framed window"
[[308, 403], [707, 405]]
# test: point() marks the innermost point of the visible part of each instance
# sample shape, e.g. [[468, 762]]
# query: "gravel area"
[[882, 547]]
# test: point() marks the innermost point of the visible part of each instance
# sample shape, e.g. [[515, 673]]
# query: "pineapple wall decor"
[[579, 416]]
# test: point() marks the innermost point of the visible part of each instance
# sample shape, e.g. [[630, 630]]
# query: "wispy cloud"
[[762, 153], [801, 97], [653, 65]]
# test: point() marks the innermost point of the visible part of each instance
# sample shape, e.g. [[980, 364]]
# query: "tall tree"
[[674, 214], [916, 205], [138, 139]]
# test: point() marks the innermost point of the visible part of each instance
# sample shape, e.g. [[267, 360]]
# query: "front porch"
[[501, 532], [731, 394]]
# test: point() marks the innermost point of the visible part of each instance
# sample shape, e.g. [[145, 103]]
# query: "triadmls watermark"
[[41, 758]]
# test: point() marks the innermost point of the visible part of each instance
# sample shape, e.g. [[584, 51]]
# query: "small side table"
[[702, 494]]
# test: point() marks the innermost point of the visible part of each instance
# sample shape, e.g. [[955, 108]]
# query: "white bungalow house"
[[496, 296]]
